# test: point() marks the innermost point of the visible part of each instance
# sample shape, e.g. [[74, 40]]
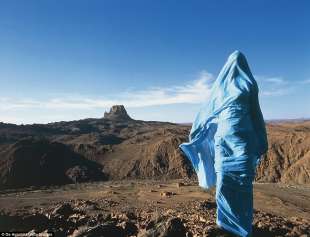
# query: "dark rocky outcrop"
[[173, 227], [102, 230], [117, 112]]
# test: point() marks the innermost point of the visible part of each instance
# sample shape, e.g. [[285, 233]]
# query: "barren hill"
[[40, 162], [127, 148], [288, 157]]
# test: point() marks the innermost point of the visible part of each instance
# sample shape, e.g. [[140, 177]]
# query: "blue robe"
[[226, 142]]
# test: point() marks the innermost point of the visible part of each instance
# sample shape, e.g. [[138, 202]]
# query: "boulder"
[[104, 230], [173, 227]]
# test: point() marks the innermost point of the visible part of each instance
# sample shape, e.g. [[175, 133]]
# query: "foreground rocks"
[[107, 229], [87, 218]]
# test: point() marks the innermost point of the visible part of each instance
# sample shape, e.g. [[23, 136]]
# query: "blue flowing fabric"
[[226, 142]]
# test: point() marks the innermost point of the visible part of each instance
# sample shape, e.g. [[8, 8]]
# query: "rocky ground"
[[117, 148], [147, 208]]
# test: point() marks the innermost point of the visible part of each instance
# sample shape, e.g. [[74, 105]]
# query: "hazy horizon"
[[184, 123], [63, 61]]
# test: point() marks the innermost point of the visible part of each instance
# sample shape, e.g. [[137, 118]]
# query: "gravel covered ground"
[[147, 208]]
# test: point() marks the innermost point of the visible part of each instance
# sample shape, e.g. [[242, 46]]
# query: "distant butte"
[[117, 112]]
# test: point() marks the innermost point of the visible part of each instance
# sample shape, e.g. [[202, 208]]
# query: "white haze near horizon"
[[178, 103]]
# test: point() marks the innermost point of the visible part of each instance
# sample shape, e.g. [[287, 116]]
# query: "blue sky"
[[65, 60]]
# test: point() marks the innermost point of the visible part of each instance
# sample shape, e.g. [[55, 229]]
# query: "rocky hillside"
[[122, 148], [39, 162], [288, 157]]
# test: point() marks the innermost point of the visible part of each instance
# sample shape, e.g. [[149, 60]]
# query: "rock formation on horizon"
[[117, 112], [124, 148]]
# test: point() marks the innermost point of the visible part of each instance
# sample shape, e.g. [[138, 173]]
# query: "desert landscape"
[[117, 117], [117, 176]]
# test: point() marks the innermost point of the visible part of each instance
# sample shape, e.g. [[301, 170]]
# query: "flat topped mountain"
[[117, 112]]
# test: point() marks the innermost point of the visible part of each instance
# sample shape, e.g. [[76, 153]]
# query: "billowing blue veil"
[[227, 140]]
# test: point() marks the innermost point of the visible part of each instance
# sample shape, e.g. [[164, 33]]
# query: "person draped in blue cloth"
[[226, 142]]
